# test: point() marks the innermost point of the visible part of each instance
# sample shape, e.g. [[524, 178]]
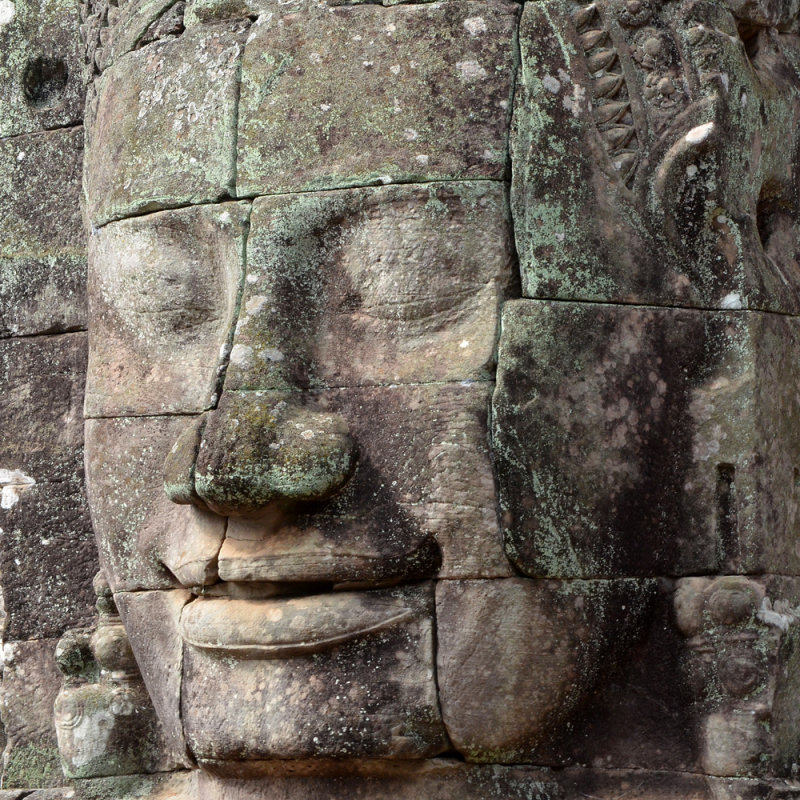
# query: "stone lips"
[[283, 627]]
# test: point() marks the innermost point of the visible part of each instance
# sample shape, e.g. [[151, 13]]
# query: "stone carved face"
[[302, 243]]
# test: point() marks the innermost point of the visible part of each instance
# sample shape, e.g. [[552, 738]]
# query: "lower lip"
[[286, 627]]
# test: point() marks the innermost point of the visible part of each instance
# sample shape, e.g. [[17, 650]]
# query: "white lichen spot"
[[325, 106], [768, 616], [553, 85], [390, 28], [242, 355], [21, 155], [272, 355], [691, 170], [384, 179], [7, 11], [14, 482], [422, 160], [503, 104], [315, 58], [726, 81], [395, 69], [225, 216], [574, 102], [700, 133], [255, 304], [465, 344], [252, 278], [731, 301], [410, 134], [475, 26], [368, 64], [470, 70], [307, 434], [743, 100], [563, 76], [559, 236]]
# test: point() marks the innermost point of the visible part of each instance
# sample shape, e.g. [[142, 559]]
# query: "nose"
[[257, 448]]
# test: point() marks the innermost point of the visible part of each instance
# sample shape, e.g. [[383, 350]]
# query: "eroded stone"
[[517, 659], [164, 138], [373, 286], [42, 72], [636, 441], [418, 96], [653, 159], [393, 717], [42, 245], [163, 296]]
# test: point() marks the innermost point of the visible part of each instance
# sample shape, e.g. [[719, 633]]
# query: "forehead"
[[322, 98]]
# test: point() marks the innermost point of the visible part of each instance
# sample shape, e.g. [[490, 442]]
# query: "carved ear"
[[682, 185]]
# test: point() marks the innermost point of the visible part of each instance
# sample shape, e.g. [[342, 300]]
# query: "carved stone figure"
[[439, 351]]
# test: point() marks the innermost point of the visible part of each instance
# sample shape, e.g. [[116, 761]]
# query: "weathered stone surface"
[[653, 156], [395, 284], [518, 658], [42, 245], [636, 441], [42, 71], [741, 660], [367, 694], [30, 685], [164, 290], [143, 538], [422, 93], [165, 137], [151, 620], [47, 556]]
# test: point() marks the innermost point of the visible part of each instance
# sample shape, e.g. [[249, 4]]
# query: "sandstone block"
[[42, 245], [637, 150], [159, 655], [642, 441], [517, 659], [163, 292], [164, 138], [42, 72], [48, 556], [398, 284], [29, 688], [366, 690], [422, 93], [143, 538]]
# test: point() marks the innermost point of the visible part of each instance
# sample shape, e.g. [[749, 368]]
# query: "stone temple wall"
[[47, 552]]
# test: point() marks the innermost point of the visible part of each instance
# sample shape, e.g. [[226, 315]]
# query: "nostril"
[[179, 465], [259, 447]]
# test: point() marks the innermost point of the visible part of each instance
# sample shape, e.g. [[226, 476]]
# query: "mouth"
[[283, 627]]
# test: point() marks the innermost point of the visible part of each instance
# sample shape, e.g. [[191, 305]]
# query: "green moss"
[[32, 766]]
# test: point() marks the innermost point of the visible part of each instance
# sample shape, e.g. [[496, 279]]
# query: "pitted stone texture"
[[653, 162], [143, 538], [159, 655], [642, 441], [163, 292], [42, 243], [517, 659], [740, 659], [422, 92], [47, 556], [42, 71], [164, 136], [424, 471], [398, 284], [30, 684], [371, 696]]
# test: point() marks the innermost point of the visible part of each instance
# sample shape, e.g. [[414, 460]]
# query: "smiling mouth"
[[283, 627]]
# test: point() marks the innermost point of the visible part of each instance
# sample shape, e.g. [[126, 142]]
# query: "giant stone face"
[[350, 518]]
